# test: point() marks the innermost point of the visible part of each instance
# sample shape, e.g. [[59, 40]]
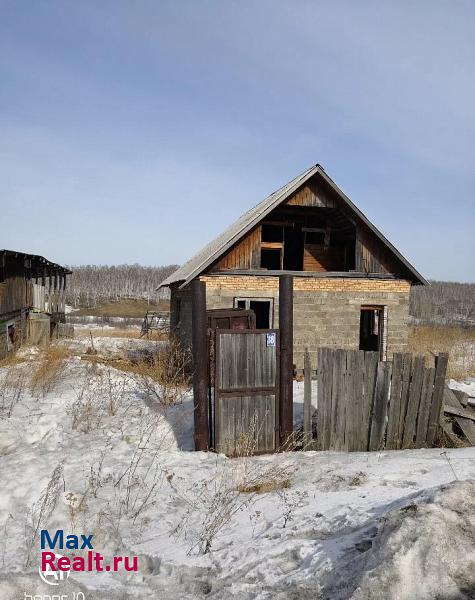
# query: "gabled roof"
[[38, 263], [210, 253]]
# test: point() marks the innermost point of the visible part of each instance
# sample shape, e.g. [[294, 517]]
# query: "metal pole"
[[286, 326], [200, 365]]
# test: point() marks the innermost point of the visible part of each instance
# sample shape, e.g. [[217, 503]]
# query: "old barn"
[[351, 285], [32, 303]]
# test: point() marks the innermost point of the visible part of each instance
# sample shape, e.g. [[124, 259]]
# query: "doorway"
[[263, 309], [373, 330]]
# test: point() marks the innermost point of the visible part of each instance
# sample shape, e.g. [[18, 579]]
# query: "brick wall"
[[326, 311]]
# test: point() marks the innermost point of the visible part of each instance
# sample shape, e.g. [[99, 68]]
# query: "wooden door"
[[246, 391]]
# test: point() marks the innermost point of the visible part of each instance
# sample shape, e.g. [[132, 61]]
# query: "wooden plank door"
[[246, 391]]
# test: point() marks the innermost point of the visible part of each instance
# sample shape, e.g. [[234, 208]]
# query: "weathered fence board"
[[424, 407], [307, 399], [365, 404], [414, 397], [394, 409], [405, 386], [437, 397], [380, 406]]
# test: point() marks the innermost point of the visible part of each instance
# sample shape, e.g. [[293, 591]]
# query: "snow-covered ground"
[[93, 452]]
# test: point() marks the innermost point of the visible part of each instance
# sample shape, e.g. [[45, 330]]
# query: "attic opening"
[[301, 238], [314, 229]]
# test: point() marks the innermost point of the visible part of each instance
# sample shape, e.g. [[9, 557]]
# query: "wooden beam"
[[459, 412], [313, 274], [200, 366], [286, 326]]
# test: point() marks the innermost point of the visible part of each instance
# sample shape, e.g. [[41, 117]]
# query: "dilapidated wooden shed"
[[32, 299]]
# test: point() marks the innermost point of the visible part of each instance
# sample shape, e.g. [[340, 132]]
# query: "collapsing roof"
[[38, 265], [210, 253]]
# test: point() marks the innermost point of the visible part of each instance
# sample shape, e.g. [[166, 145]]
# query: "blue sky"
[[136, 131]]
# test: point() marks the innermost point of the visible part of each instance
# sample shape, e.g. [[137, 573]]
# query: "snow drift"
[[424, 550]]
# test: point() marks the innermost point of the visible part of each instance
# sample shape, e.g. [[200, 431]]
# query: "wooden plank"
[[459, 412], [258, 421], [361, 437], [371, 366], [466, 425], [270, 423], [437, 397], [450, 399], [320, 398], [307, 400], [351, 403], [413, 402], [328, 381], [245, 424], [462, 397], [339, 371], [424, 407], [380, 406], [468, 428], [394, 409], [405, 386]]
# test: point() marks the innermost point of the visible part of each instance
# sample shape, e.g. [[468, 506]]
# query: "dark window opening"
[[262, 312], [262, 309], [272, 233], [293, 249], [372, 329], [271, 259], [315, 237]]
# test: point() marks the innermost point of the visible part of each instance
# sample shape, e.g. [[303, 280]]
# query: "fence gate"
[[246, 395]]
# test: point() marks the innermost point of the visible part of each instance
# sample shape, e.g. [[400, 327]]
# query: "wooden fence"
[[366, 404]]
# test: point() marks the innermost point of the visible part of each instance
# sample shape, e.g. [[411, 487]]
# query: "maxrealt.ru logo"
[[55, 567]]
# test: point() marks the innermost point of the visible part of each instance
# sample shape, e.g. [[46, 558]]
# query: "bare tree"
[[92, 284], [444, 302]]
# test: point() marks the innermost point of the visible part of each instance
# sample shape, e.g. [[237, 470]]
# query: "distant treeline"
[[444, 302], [93, 284]]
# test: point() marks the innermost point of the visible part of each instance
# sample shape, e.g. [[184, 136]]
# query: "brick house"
[[351, 285]]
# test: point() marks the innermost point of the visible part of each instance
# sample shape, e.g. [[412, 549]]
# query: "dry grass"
[[268, 484], [50, 369], [12, 360], [164, 375], [118, 332], [459, 342]]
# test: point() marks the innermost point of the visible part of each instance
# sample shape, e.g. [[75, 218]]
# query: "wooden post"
[[307, 400], [200, 365], [286, 326]]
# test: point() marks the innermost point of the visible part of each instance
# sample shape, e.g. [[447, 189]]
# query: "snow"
[[393, 525], [467, 386]]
